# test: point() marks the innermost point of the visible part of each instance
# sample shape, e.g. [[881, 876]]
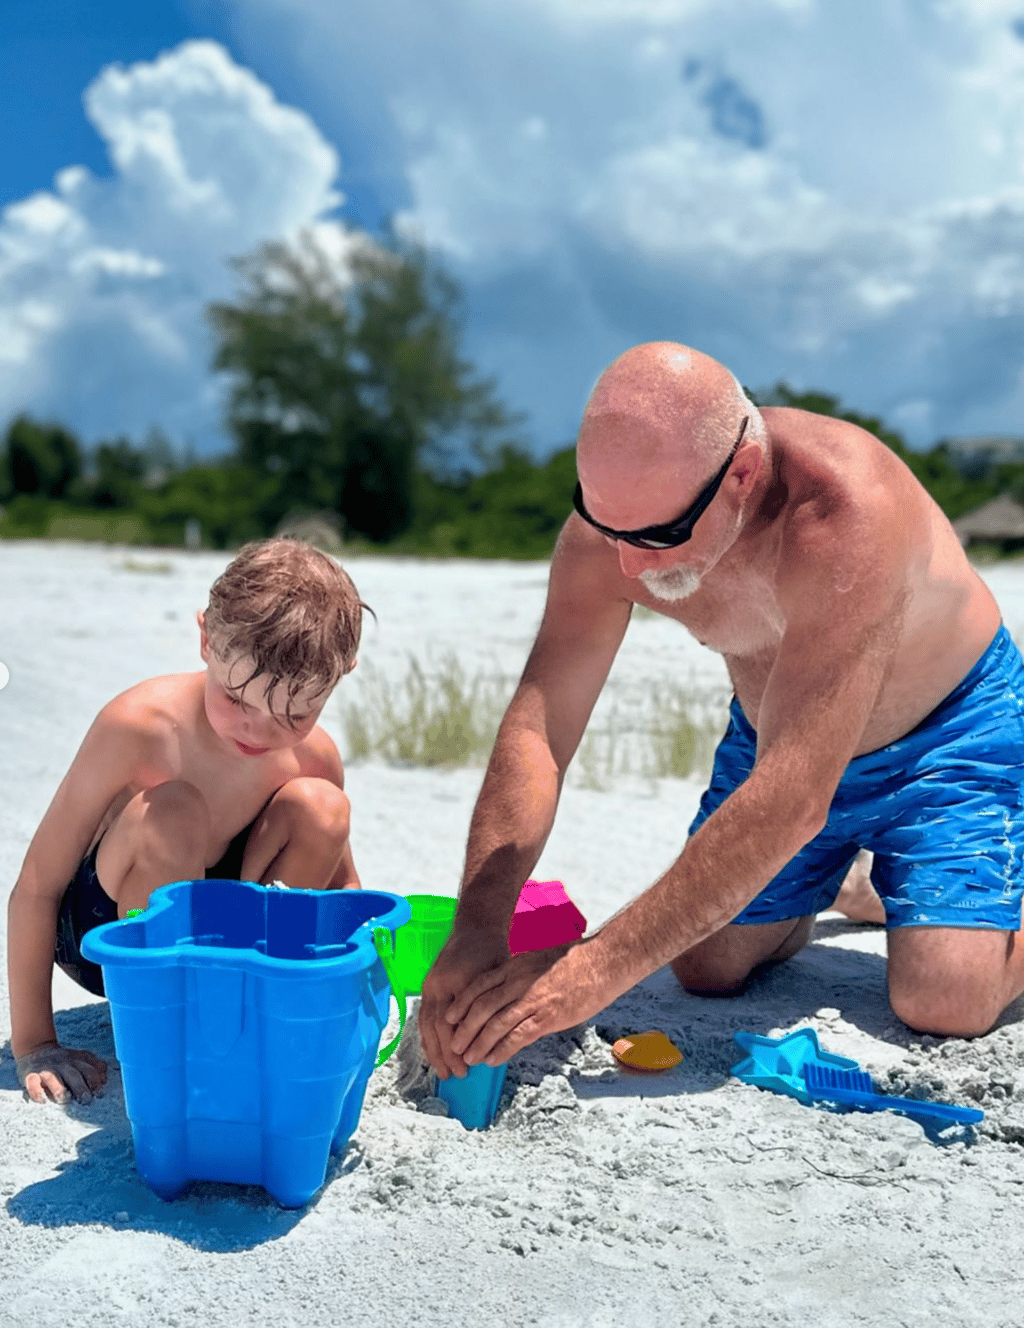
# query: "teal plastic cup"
[[422, 939]]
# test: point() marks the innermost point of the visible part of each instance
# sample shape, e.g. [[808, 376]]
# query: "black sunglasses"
[[672, 533]]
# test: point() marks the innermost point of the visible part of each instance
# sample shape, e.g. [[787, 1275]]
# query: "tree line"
[[350, 396]]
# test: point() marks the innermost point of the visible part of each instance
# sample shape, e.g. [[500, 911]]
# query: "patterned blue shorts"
[[942, 810]]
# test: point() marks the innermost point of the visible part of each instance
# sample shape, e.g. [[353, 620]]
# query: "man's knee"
[[721, 965], [949, 982], [709, 976], [950, 1011]]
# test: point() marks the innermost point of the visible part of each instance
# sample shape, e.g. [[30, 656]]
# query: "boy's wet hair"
[[292, 610]]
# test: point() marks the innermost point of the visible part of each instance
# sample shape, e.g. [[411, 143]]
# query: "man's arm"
[[843, 607], [584, 621]]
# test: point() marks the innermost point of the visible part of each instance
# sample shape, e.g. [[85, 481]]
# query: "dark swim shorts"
[[85, 904], [942, 810]]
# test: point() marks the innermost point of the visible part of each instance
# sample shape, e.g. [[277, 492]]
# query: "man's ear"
[[351, 667], [204, 640]]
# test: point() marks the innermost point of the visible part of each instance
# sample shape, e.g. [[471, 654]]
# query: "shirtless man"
[[878, 704]]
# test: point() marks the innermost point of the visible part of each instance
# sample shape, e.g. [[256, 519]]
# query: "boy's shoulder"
[[318, 755], [152, 712], [155, 702]]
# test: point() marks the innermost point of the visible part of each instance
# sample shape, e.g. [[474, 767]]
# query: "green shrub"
[[106, 527]]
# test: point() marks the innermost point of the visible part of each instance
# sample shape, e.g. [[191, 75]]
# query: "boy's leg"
[[160, 836], [301, 837]]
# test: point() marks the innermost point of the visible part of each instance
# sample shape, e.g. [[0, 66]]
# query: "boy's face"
[[247, 719]]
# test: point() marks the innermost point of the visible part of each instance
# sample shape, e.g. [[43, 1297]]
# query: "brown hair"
[[292, 610]]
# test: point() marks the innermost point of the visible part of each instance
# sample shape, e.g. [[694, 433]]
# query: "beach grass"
[[439, 715], [436, 715], [673, 736]]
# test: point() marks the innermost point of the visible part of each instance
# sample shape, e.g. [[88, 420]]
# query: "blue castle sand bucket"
[[247, 1021]]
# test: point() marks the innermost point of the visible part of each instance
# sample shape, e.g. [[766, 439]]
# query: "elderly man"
[[879, 704]]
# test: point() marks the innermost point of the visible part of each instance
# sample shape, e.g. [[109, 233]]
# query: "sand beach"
[[599, 1197]]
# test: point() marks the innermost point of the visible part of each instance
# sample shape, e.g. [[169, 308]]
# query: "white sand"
[[598, 1197]]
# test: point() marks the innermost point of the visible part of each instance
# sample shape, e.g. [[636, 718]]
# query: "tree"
[[223, 496], [120, 468], [43, 460], [348, 381]]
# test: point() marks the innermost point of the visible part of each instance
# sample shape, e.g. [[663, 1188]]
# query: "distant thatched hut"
[[999, 523]]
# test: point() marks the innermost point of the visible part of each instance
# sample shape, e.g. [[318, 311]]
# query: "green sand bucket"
[[421, 940]]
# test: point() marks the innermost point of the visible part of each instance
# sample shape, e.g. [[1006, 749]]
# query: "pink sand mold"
[[544, 916]]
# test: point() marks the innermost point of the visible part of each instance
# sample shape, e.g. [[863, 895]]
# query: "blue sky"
[[812, 191]]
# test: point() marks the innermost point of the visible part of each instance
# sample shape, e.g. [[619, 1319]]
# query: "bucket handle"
[[384, 945]]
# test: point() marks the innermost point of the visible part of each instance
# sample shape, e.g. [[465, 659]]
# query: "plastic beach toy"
[[796, 1065], [247, 1022], [474, 1099], [649, 1051], [544, 916], [422, 938]]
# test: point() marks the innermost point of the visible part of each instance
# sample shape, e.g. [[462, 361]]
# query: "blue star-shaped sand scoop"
[[797, 1066], [780, 1063]]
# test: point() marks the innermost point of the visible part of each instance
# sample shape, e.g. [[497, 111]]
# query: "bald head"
[[663, 414], [662, 391]]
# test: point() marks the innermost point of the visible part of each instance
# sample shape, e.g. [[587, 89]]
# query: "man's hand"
[[538, 992], [469, 953], [60, 1073]]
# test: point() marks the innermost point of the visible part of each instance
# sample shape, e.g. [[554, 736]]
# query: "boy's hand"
[[60, 1073], [469, 952]]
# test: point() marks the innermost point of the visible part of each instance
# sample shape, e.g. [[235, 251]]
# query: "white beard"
[[670, 583]]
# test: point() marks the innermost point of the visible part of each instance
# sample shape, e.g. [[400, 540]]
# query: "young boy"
[[222, 773]]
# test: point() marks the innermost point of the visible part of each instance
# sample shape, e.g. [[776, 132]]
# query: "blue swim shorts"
[[942, 810]]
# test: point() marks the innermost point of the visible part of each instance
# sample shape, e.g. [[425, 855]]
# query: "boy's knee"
[[317, 805], [175, 807]]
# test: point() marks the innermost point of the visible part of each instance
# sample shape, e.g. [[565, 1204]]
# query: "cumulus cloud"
[[104, 281], [828, 193], [831, 194]]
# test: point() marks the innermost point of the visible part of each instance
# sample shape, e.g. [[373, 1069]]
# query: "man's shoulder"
[[854, 517]]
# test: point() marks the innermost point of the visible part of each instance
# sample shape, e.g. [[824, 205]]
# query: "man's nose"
[[633, 561]]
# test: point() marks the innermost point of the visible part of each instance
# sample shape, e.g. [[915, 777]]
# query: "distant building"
[[974, 455], [999, 522]]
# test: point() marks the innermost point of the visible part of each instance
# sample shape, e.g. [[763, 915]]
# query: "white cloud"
[[828, 193], [104, 282]]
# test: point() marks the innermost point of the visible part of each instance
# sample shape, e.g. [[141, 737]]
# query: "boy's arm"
[[118, 751]]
